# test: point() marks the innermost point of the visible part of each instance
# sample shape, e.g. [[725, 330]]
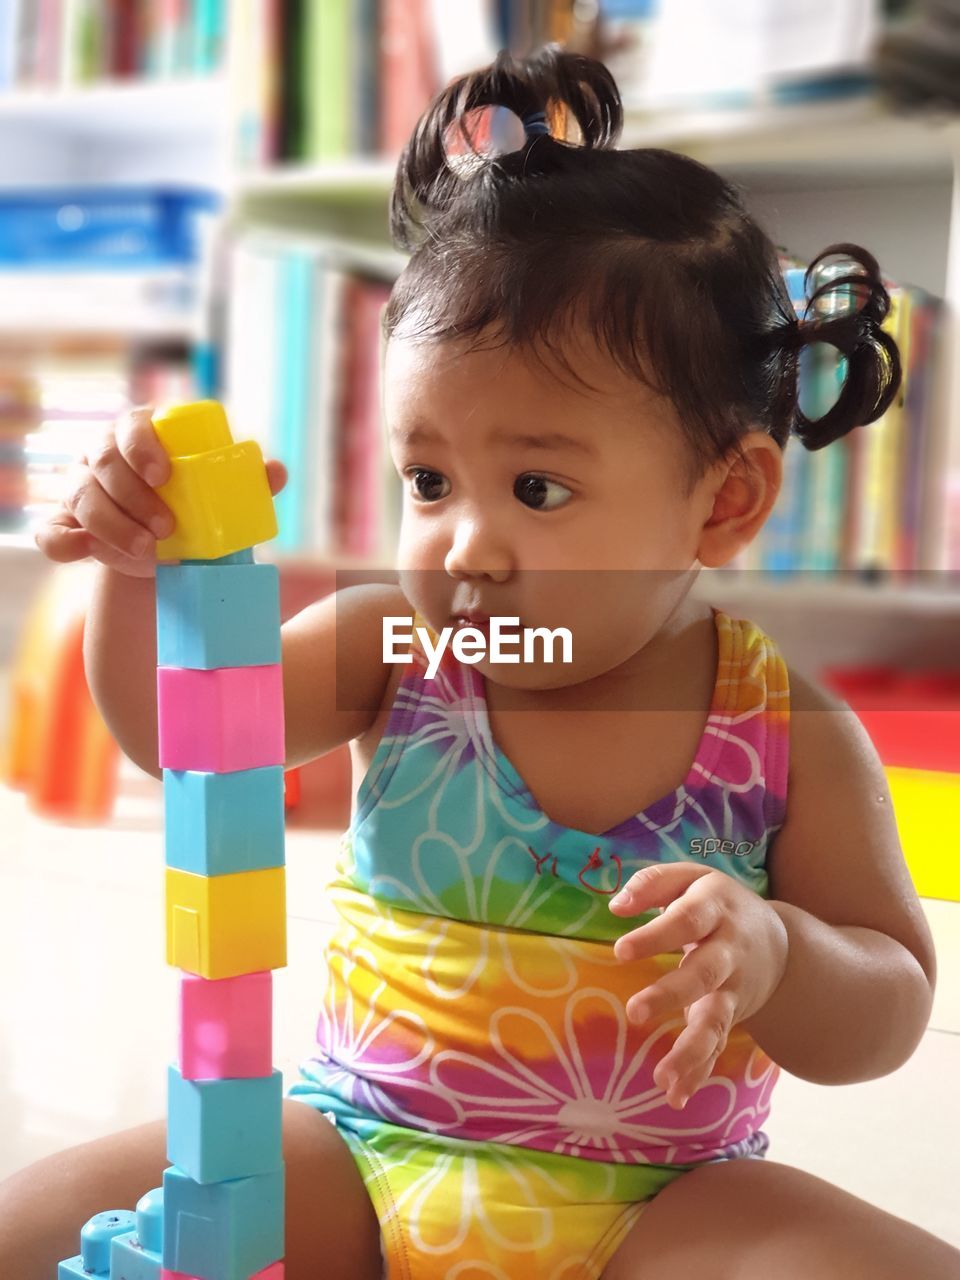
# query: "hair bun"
[[873, 374], [551, 80]]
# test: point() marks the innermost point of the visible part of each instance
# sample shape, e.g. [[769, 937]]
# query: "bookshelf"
[[169, 132], [890, 181], [852, 154]]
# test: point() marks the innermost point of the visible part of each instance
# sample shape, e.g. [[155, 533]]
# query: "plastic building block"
[[226, 1027], [225, 1230], [218, 491], [273, 1272], [222, 926], [150, 1220], [73, 1269], [218, 615], [222, 720], [95, 1236], [195, 427], [221, 1129], [129, 1260], [219, 823]]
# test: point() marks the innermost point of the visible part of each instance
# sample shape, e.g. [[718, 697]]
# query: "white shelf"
[[122, 108], [839, 140], [121, 303], [845, 139], [361, 177]]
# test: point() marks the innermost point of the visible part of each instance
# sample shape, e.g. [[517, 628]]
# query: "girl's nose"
[[477, 550]]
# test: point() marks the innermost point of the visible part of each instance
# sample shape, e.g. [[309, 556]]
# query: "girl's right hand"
[[111, 512]]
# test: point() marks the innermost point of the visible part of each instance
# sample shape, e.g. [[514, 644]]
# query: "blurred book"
[[327, 80], [80, 392], [57, 43], [890, 483], [306, 386], [822, 373], [19, 414], [102, 300], [94, 260]]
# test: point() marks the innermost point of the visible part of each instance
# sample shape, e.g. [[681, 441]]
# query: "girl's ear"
[[744, 488]]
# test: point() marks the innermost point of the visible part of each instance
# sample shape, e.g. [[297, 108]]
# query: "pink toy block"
[[226, 1026], [221, 720], [273, 1272]]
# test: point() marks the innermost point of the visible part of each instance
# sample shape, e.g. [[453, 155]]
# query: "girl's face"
[[525, 497]]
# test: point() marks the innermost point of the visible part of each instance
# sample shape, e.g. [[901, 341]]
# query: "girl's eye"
[[426, 485], [533, 490], [539, 492]]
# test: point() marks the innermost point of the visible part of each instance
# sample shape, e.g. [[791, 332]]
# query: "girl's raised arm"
[[334, 676]]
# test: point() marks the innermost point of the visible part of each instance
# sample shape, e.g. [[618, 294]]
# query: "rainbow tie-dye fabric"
[[473, 1044]]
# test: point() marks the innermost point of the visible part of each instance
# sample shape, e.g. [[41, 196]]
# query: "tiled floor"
[[87, 1017]]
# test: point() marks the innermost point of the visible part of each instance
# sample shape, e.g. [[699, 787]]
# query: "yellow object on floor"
[[927, 807]]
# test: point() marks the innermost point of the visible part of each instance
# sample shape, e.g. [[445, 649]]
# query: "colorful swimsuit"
[[473, 1045]]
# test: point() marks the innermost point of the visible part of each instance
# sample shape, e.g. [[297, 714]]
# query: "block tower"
[[219, 1213]]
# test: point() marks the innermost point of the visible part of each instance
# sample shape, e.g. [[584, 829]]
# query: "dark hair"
[[655, 248]]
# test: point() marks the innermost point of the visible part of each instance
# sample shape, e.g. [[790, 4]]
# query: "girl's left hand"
[[735, 954]]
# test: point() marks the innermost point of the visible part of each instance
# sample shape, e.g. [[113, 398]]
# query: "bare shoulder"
[[838, 854], [826, 732], [334, 675]]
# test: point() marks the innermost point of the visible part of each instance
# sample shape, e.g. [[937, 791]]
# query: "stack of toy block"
[[219, 1214]]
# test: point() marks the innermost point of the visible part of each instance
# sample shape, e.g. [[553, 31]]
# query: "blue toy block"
[[218, 615], [150, 1220], [129, 1260], [223, 1129], [219, 823], [95, 1236], [224, 1231], [73, 1269]]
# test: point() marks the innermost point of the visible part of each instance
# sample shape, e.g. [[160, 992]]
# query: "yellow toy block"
[[224, 926], [926, 804], [218, 491]]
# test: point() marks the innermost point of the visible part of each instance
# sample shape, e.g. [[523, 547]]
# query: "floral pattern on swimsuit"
[[473, 1017]]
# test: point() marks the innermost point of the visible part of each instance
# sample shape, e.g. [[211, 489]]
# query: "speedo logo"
[[739, 848]]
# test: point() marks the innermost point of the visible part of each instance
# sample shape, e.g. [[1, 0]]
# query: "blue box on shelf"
[[96, 228]]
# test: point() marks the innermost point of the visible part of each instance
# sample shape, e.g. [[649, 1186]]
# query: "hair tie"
[[535, 123]]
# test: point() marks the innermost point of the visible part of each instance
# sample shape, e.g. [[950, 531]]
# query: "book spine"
[[294, 327], [209, 35], [331, 374], [873, 547]]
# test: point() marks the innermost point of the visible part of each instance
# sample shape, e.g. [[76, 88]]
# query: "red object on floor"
[[291, 788], [912, 717]]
